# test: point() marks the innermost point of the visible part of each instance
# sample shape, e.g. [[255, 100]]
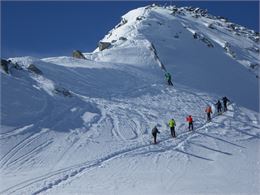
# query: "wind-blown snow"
[[84, 126]]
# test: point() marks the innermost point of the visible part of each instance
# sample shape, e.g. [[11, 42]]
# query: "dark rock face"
[[62, 91], [176, 36], [254, 65], [195, 35], [32, 68], [4, 66], [122, 22], [207, 42], [103, 45], [78, 54], [203, 39], [122, 38], [140, 18], [228, 49], [254, 49]]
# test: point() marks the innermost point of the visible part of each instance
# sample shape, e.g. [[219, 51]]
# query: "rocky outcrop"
[[139, 18], [122, 38], [207, 42], [78, 54], [5, 66], [103, 45], [254, 65], [32, 68], [62, 91], [228, 49], [203, 39], [122, 22]]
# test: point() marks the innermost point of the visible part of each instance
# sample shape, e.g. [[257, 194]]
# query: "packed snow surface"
[[84, 126]]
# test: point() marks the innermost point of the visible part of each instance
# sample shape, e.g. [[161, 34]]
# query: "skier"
[[172, 127], [208, 110], [225, 100], [190, 121], [168, 78], [219, 107], [154, 133]]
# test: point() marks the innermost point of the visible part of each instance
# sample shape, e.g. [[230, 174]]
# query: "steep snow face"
[[201, 52], [84, 126]]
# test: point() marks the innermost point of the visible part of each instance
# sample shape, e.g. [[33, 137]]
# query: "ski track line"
[[33, 151], [6, 158], [70, 172], [15, 132]]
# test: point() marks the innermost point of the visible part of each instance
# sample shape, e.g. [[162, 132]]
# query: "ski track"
[[33, 152], [70, 172], [16, 131], [121, 111], [15, 150], [165, 144]]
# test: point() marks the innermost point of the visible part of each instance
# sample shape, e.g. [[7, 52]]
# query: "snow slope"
[[97, 139]]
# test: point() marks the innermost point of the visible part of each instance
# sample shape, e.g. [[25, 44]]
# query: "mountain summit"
[[200, 50]]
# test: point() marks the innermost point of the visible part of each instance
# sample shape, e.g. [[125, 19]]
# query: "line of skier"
[[189, 119]]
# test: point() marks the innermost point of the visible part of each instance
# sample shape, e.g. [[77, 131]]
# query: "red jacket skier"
[[190, 121]]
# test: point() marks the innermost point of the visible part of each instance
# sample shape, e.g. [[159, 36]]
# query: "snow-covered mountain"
[[83, 126]]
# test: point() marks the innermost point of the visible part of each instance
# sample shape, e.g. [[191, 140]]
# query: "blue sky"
[[43, 29]]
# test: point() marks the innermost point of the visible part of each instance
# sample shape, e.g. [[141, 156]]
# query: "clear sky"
[[44, 29]]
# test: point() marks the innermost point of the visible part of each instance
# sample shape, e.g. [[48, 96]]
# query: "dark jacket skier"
[[208, 110], [219, 107], [172, 127], [154, 133], [168, 78], [225, 101]]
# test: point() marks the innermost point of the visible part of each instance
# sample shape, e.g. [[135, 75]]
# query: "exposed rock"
[[254, 65], [17, 66], [62, 91], [103, 45], [140, 18], [207, 41], [156, 5], [195, 35], [223, 19], [211, 26], [78, 54], [203, 39], [232, 26], [195, 16], [122, 22], [176, 36], [174, 10], [122, 38], [254, 49], [254, 38], [190, 9], [32, 68], [4, 66], [228, 49]]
